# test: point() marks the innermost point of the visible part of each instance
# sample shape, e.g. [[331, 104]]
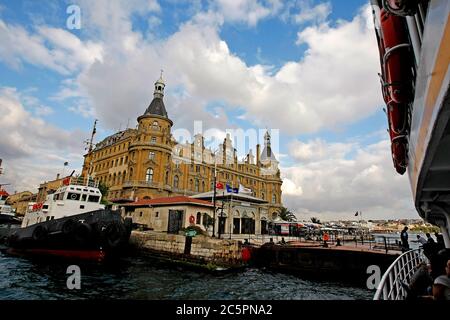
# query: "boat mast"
[[90, 143]]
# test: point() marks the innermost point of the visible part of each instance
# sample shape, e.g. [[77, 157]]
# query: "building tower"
[[151, 149]]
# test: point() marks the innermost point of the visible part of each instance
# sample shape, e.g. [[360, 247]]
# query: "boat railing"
[[394, 283], [81, 181]]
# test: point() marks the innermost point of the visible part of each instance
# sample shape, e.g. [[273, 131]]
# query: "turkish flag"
[[66, 181], [219, 185]]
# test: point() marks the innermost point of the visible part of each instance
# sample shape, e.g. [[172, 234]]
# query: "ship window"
[[45, 206], [84, 197], [157, 214], [93, 198], [47, 218], [73, 196]]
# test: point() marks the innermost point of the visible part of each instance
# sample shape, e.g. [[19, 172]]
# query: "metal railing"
[[395, 280]]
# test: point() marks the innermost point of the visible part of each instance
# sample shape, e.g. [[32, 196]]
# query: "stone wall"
[[203, 249]]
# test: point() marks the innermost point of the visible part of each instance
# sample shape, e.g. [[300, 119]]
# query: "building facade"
[[147, 162]]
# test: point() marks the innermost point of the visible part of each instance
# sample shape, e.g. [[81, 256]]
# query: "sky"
[[303, 69]]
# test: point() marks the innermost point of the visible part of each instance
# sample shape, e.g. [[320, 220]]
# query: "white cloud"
[[333, 187], [315, 14], [318, 149], [247, 11], [32, 150], [56, 49]]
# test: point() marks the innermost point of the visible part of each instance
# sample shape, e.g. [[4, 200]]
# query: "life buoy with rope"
[[326, 237], [192, 219]]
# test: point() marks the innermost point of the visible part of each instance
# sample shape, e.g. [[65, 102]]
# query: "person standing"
[[404, 239]]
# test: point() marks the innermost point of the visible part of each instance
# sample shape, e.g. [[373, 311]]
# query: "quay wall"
[[203, 250]]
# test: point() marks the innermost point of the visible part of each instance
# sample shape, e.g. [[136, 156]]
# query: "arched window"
[[149, 175], [155, 125], [274, 198], [199, 217], [123, 176], [262, 196], [203, 186], [190, 184], [166, 179], [151, 155], [196, 185], [131, 174], [175, 182]]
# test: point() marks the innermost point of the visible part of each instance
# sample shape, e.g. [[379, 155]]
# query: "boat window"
[[73, 196], [93, 198], [47, 218], [45, 206], [84, 197], [82, 206]]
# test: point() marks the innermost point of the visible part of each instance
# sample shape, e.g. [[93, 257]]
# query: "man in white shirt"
[[421, 239]]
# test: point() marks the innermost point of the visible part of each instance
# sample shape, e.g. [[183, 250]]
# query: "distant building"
[[48, 187], [170, 214], [19, 201], [147, 162]]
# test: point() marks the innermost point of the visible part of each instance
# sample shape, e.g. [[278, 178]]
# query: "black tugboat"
[[71, 223]]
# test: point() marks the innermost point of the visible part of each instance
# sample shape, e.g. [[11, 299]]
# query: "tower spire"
[[159, 87]]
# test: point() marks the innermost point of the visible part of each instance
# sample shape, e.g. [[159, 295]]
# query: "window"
[[190, 184], [156, 214], [153, 140], [166, 179], [140, 214], [175, 182], [149, 175], [262, 196], [84, 197], [73, 196], [151, 155], [274, 198], [199, 217], [82, 206], [203, 186], [196, 185], [93, 198], [155, 125]]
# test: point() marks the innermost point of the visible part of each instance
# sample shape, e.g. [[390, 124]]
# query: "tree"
[[104, 191], [286, 215], [315, 220]]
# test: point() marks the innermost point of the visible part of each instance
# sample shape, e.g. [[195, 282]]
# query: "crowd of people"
[[432, 280]]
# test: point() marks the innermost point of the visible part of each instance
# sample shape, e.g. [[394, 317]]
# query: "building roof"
[[157, 108], [267, 154], [169, 201], [223, 194]]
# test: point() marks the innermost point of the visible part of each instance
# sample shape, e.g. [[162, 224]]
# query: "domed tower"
[[150, 152]]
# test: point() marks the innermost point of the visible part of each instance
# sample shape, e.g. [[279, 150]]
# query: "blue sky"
[[307, 68]]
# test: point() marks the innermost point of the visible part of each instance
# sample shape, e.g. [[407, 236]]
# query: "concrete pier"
[[202, 251]]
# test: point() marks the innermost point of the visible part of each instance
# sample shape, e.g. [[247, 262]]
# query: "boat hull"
[[91, 235]]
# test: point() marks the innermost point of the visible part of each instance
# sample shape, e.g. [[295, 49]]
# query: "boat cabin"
[[73, 197]]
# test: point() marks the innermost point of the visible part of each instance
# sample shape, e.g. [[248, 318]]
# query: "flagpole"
[[214, 198]]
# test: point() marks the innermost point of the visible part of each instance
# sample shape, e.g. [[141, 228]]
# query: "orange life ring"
[[191, 219], [326, 237]]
